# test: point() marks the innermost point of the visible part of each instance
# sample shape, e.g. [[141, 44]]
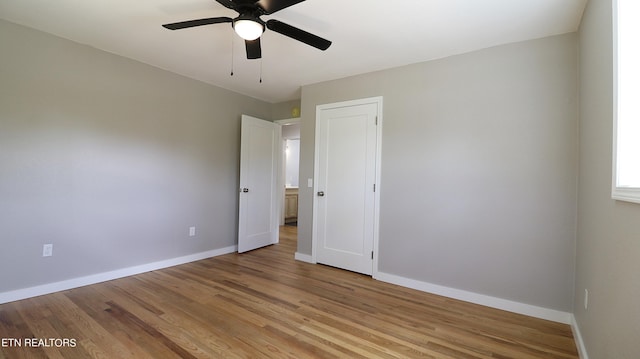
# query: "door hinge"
[[371, 254], [374, 187], [376, 120]]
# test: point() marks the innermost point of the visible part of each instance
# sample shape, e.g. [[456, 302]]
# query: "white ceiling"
[[367, 35]]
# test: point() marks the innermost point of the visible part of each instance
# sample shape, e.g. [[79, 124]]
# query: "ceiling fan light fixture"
[[249, 26], [248, 29]]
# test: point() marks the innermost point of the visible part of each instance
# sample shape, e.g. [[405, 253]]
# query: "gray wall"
[[608, 246], [110, 160], [479, 165], [283, 110]]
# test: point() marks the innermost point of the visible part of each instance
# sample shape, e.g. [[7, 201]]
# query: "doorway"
[[347, 177], [290, 171]]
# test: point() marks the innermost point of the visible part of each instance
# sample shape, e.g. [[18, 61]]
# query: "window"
[[626, 134]]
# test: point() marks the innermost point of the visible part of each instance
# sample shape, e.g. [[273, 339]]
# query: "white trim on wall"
[[493, 302], [288, 121], [304, 258], [49, 288], [577, 336]]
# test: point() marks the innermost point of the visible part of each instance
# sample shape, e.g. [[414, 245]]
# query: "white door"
[[259, 156], [346, 172]]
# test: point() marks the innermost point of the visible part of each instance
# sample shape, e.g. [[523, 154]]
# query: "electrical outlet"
[[192, 231], [47, 250], [586, 298]]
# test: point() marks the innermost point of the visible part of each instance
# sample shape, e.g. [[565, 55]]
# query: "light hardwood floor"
[[264, 304]]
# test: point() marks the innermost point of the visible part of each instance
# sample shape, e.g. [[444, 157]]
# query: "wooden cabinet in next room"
[[291, 205]]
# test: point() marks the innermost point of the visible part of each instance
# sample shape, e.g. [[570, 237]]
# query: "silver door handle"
[[321, 194], [245, 190]]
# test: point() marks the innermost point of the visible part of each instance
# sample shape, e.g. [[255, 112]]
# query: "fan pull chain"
[[232, 53], [261, 70]]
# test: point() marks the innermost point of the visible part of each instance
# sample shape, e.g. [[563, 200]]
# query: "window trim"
[[629, 194]]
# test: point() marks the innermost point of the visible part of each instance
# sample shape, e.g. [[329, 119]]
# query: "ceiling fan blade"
[[271, 6], [227, 3], [254, 51], [199, 22], [297, 34]]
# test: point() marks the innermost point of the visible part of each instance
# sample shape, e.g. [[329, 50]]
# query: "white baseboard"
[[582, 349], [304, 257], [493, 302], [106, 276]]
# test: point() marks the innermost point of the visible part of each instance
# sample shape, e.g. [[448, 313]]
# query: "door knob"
[[321, 194], [245, 190]]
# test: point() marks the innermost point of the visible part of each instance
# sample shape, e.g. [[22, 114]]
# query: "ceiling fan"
[[250, 27]]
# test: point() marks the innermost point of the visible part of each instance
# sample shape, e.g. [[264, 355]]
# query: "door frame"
[[281, 168], [316, 169]]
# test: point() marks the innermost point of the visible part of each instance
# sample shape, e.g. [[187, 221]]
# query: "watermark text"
[[38, 342]]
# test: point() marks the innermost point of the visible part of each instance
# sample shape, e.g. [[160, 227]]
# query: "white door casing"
[[282, 181], [258, 222], [346, 191]]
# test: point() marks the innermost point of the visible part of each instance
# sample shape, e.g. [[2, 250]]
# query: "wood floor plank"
[[265, 304], [80, 325]]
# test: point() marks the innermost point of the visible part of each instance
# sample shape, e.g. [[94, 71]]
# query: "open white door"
[[259, 168], [345, 215]]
